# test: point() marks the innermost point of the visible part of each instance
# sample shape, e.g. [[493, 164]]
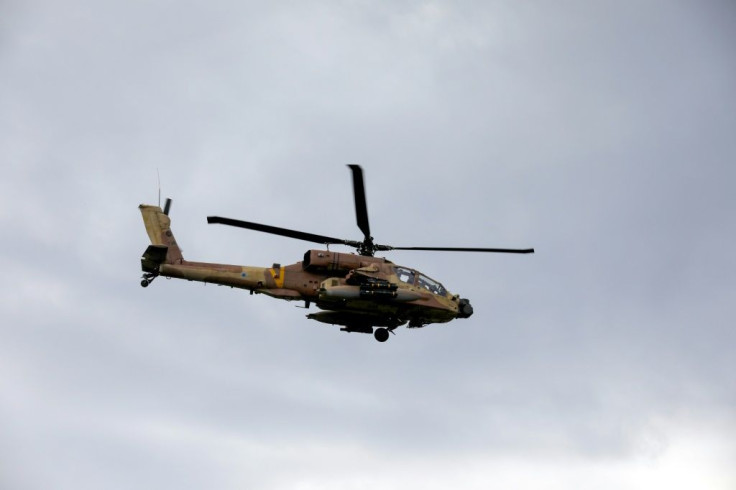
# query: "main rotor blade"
[[300, 235], [465, 249], [361, 209]]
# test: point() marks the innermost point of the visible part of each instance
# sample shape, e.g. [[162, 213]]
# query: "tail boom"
[[236, 276], [164, 258]]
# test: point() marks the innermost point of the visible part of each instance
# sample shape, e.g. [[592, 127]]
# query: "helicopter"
[[358, 292]]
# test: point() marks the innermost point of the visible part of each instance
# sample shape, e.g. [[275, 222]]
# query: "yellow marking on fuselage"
[[278, 280]]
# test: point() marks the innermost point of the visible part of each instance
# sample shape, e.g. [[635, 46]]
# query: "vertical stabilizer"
[[158, 227]]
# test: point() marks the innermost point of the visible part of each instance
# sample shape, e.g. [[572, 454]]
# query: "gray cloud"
[[599, 134]]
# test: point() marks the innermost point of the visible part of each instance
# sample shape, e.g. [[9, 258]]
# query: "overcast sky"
[[600, 133]]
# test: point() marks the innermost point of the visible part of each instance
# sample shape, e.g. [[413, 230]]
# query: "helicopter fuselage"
[[356, 292]]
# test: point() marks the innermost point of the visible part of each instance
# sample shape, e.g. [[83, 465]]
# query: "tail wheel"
[[381, 334], [147, 279]]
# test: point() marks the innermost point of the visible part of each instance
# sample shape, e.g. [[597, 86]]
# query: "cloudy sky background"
[[600, 133]]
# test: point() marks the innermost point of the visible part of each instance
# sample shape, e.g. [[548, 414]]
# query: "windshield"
[[431, 285], [405, 275], [412, 277]]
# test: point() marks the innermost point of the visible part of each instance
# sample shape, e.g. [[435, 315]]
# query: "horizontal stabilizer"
[[153, 257]]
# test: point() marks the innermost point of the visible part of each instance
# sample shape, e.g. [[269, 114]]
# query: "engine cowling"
[[321, 260]]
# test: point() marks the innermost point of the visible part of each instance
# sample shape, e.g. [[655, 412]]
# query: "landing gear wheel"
[[148, 278], [381, 334]]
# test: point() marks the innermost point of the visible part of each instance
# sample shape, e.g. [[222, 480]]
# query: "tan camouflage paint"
[[292, 282]]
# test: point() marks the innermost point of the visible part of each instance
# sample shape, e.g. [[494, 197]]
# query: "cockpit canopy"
[[416, 278]]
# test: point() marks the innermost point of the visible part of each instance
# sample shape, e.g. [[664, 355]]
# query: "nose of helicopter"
[[464, 308]]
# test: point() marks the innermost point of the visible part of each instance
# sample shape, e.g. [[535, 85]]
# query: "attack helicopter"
[[358, 292]]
